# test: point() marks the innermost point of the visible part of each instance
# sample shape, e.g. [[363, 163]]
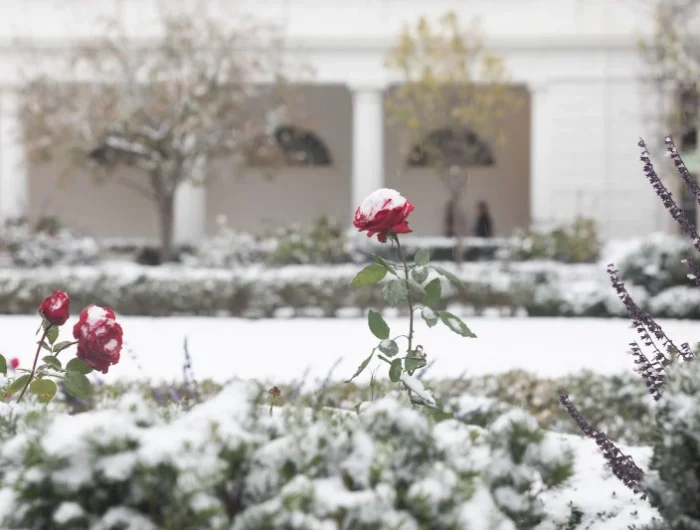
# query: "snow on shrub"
[[673, 485], [27, 248], [653, 262], [682, 301], [225, 250], [229, 463]]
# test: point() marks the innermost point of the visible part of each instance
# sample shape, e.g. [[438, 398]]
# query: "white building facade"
[[577, 59]]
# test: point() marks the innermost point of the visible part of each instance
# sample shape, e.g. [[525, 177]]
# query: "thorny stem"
[[402, 257], [36, 359]]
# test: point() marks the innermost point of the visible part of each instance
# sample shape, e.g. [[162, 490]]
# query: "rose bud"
[[55, 308]]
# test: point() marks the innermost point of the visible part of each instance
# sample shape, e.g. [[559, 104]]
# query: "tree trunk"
[[166, 218], [459, 229], [456, 184]]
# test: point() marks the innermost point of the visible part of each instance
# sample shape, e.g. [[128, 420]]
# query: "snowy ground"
[[282, 350], [605, 502]]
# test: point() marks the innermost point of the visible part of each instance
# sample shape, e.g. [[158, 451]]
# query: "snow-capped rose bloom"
[[99, 338], [383, 212], [14, 363], [55, 308]]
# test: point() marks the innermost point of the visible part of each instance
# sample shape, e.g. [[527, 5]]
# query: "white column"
[[367, 143], [541, 158], [191, 207], [14, 180]]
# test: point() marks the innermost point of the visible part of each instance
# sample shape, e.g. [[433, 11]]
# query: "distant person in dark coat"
[[484, 226]]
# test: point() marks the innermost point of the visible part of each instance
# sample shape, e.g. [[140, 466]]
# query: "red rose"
[[14, 363], [383, 212], [55, 308], [99, 338]]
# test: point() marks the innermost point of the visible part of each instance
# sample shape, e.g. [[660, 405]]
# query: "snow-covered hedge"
[[577, 242], [22, 246], [230, 463], [263, 291], [653, 262], [539, 288]]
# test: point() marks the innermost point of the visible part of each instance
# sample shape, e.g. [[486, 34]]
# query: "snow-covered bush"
[[682, 301], [577, 242], [28, 248], [655, 262], [674, 482], [324, 242], [229, 463], [226, 250]]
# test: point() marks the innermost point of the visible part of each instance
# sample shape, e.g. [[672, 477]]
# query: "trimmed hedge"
[[539, 288]]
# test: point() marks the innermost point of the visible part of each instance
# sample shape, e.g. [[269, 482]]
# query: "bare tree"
[[451, 84], [164, 107]]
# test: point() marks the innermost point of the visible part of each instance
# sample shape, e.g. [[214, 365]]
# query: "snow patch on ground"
[[281, 350]]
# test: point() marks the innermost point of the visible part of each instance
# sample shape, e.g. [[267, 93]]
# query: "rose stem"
[[408, 288], [36, 359]]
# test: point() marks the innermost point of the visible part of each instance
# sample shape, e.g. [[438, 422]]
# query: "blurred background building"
[[570, 150]]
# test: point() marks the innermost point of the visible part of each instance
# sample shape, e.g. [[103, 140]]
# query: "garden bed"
[[516, 288]]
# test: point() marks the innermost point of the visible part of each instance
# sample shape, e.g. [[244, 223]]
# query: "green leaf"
[[455, 324], [78, 385], [395, 370], [420, 274], [429, 316], [58, 348], [77, 366], [414, 361], [377, 325], [52, 335], [370, 275], [53, 362], [362, 366], [44, 388], [422, 257], [389, 347], [3, 365], [417, 286], [433, 291], [395, 292], [388, 266], [45, 346], [451, 277], [18, 384], [441, 415]]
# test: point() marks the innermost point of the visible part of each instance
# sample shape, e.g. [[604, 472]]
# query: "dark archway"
[[464, 149], [302, 147]]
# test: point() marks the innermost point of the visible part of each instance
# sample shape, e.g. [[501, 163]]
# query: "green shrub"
[[578, 242], [230, 463], [322, 243], [673, 485], [655, 263]]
